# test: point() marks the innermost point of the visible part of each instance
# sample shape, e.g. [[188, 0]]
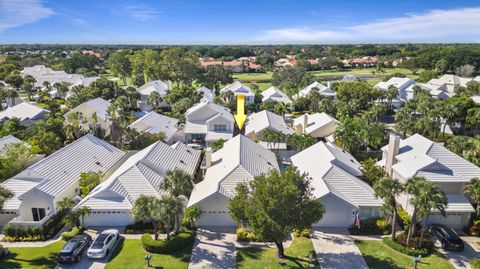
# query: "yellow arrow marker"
[[240, 117]]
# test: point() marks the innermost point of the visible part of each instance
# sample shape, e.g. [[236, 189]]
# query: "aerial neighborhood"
[[301, 156]]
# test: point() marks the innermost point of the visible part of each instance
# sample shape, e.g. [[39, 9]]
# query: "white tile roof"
[[154, 86], [9, 139], [322, 90], [458, 203], [315, 121], [397, 82], [208, 95], [22, 112], [60, 170], [275, 95], [420, 156], [260, 121], [155, 123], [334, 171], [238, 88], [239, 160], [98, 106], [141, 174], [207, 110]]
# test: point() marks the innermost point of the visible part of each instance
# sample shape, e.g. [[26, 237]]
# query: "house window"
[[220, 127], [38, 214]]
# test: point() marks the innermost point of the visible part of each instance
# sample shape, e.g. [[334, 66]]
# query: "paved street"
[[462, 259], [336, 249], [214, 247]]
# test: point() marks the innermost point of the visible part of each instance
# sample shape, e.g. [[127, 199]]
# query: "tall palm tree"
[[433, 199], [154, 100], [169, 209], [4, 195], [82, 212], [472, 190], [388, 189], [415, 187], [116, 130], [146, 209], [66, 204], [74, 129]]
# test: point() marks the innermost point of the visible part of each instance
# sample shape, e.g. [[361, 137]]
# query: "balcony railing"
[[32, 223]]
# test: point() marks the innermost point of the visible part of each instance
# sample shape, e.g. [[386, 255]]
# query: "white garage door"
[[335, 219], [216, 220], [108, 219], [454, 220]]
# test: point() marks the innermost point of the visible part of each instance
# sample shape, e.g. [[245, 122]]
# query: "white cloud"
[[15, 13], [456, 25], [141, 12]]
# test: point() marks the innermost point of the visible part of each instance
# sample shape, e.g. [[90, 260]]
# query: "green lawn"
[[130, 254], [262, 85], [379, 256], [32, 257], [253, 77], [298, 256]]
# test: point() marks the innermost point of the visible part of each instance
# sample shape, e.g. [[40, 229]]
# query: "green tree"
[[14, 158], [154, 100], [146, 209], [273, 205], [178, 65], [371, 171], [5, 194], [82, 213], [433, 199], [216, 145], [73, 126], [120, 65], [215, 75], [168, 210], [88, 181], [388, 189], [192, 214], [472, 190], [65, 205], [426, 75]]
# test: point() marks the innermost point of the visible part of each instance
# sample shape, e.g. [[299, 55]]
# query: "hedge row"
[[26, 233], [405, 250], [178, 242], [70, 234]]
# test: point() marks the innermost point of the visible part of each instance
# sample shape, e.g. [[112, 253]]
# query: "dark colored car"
[[447, 237], [74, 248]]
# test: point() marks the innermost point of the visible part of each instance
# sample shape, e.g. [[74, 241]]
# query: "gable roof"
[[155, 86], [396, 82], [141, 174], [322, 90], [276, 95], [265, 119], [334, 171], [238, 87], [22, 112], [98, 106], [315, 121], [9, 139], [155, 123], [421, 156], [60, 170], [208, 95], [239, 160]]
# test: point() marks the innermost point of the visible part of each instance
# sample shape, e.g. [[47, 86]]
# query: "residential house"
[[28, 114], [207, 94], [90, 109], [418, 156], [258, 123], [155, 123], [450, 82], [207, 122], [38, 188], [148, 88], [319, 125], [404, 88], [316, 86], [236, 66], [9, 139], [273, 94], [335, 176], [112, 201], [239, 161], [239, 88]]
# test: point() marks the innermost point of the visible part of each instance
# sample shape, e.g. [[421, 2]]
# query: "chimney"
[[392, 151], [329, 85], [305, 123], [208, 157]]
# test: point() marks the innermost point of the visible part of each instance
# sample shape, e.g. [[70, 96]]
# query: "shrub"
[[28, 233], [475, 263], [246, 236], [404, 217], [414, 242], [70, 234], [371, 226], [405, 250], [302, 233], [139, 228], [181, 240]]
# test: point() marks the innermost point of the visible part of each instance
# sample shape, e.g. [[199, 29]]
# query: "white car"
[[103, 244]]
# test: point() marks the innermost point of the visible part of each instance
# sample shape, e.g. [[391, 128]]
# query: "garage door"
[[108, 219], [335, 219], [454, 220], [216, 220]]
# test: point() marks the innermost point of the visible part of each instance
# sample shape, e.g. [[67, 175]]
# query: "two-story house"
[[148, 88], [418, 156], [207, 122], [404, 88], [239, 88]]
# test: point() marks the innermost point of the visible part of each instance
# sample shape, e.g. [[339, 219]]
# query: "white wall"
[[215, 212], [338, 213]]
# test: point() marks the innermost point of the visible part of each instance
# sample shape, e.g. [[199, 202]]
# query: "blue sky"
[[238, 22]]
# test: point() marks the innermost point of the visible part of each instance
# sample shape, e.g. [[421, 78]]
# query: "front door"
[[38, 214]]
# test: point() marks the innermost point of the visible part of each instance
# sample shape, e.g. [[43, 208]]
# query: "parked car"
[[447, 237], [74, 248], [103, 244]]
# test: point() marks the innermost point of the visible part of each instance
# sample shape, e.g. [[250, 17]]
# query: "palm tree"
[[66, 204], [433, 198], [4, 195], [133, 96], [391, 93], [177, 182], [472, 190], [146, 209], [74, 129], [72, 218], [115, 127], [388, 189], [169, 209], [154, 100], [82, 212], [191, 216]]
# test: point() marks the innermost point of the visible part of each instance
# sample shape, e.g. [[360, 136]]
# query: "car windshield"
[[68, 248], [449, 233], [99, 241]]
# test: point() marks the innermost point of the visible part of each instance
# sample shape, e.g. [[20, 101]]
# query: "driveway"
[[462, 259], [336, 249], [214, 247]]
